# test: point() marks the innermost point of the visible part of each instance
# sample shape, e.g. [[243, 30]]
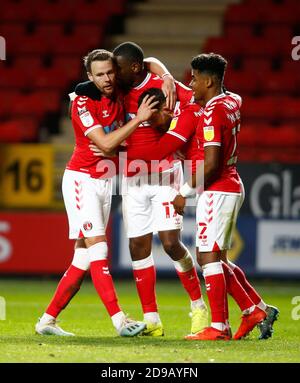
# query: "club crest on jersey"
[[87, 226], [87, 119], [105, 113], [209, 133], [173, 124]]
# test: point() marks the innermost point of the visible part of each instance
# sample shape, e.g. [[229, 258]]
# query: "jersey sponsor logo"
[[81, 110], [87, 226], [105, 113], [87, 119], [209, 133], [173, 124]]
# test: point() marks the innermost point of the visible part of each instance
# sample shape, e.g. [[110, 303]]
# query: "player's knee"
[[138, 249], [172, 248]]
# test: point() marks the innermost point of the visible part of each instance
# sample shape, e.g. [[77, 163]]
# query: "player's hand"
[[99, 153], [169, 90], [179, 204], [147, 108]]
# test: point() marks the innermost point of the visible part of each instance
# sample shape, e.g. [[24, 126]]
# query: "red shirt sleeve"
[[84, 114], [180, 131], [212, 126], [184, 94]]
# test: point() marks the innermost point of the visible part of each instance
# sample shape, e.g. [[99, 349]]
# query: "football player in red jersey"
[[218, 205], [181, 135], [87, 191], [145, 213], [148, 208]]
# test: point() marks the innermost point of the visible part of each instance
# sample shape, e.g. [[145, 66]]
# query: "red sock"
[[145, 280], [191, 283], [235, 289], [67, 287], [216, 290], [104, 285], [241, 277]]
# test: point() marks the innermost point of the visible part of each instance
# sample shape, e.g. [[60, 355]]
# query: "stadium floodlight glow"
[[2, 48]]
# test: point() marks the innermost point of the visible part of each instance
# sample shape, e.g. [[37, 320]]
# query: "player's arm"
[[108, 142], [180, 131], [165, 146], [212, 151], [155, 66]]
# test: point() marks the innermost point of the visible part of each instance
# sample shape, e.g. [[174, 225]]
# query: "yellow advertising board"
[[26, 175]]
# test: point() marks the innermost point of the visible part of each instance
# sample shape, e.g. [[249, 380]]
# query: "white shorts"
[[216, 217], [147, 203], [87, 201]]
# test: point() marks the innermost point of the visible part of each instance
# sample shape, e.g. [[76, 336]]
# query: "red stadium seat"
[[97, 13], [261, 109], [227, 48], [241, 82], [37, 104], [16, 12], [28, 63], [256, 64], [92, 35], [233, 31], [54, 12], [278, 83], [12, 29], [14, 78], [71, 66], [31, 44], [290, 110], [273, 32], [241, 14], [47, 31], [50, 78], [19, 130], [72, 45]]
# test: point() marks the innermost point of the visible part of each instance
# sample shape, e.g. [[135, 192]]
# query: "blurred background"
[[41, 52]]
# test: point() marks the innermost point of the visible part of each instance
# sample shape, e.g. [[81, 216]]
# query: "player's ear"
[[135, 67], [90, 76], [209, 82]]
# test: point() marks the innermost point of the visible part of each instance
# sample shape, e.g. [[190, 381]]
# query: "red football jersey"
[[219, 125], [146, 135], [180, 136], [87, 115]]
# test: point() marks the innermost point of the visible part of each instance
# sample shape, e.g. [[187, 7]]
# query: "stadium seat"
[[241, 82], [16, 12], [31, 44], [97, 13], [54, 13], [12, 29], [71, 66], [50, 78], [278, 83], [261, 109], [257, 64], [273, 32], [47, 31], [13, 78], [19, 130], [242, 14], [290, 111]]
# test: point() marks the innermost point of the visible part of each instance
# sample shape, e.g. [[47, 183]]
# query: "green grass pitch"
[[96, 339]]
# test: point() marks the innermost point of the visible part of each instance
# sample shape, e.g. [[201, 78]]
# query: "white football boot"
[[51, 328]]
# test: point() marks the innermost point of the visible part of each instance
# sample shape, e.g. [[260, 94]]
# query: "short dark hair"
[[131, 51], [159, 96], [211, 63], [97, 55]]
